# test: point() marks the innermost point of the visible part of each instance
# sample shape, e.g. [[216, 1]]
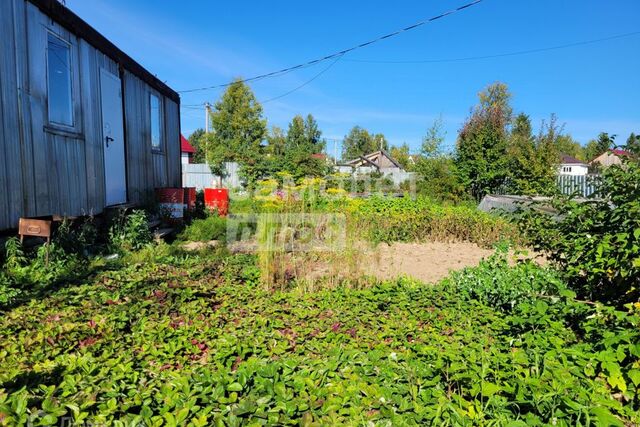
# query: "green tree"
[[402, 155], [591, 150], [275, 149], [199, 143], [276, 142], [360, 142], [302, 143], [433, 140], [565, 144], [238, 132], [482, 143], [436, 170], [604, 142], [522, 156], [633, 144]]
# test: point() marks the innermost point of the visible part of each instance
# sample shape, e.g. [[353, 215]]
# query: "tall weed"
[[130, 232]]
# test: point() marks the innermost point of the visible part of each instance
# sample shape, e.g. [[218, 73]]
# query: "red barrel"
[[217, 199], [171, 200], [190, 198]]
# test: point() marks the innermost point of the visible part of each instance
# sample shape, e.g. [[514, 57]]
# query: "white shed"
[[571, 166]]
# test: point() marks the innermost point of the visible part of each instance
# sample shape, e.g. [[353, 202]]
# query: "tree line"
[[495, 148]]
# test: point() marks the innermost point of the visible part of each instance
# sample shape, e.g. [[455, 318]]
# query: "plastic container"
[[190, 198], [171, 200], [217, 200]]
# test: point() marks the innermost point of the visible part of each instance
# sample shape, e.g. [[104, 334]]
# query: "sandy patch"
[[428, 262]]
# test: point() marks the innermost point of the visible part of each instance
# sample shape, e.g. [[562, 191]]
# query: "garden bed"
[[201, 341]]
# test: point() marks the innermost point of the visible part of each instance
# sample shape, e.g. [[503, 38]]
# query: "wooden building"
[[82, 125], [610, 158]]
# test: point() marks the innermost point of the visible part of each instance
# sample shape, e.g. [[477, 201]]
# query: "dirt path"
[[428, 262]]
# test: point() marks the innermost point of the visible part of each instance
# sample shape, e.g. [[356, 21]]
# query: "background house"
[[83, 125], [376, 162], [186, 151], [571, 166], [610, 158]]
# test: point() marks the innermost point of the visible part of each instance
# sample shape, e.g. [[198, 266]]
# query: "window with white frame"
[[59, 81], [156, 120]]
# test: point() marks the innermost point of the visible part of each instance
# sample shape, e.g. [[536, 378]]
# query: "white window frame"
[[69, 45], [160, 147]]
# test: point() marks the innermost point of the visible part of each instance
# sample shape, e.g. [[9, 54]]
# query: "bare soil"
[[427, 262]]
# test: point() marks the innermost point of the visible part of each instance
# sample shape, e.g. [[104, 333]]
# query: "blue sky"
[[591, 88]]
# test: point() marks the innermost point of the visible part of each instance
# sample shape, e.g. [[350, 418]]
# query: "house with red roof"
[[186, 150], [610, 157]]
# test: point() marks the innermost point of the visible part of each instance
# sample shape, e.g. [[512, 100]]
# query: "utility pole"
[[207, 106]]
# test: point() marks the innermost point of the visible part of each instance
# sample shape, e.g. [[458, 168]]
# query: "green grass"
[[198, 340]]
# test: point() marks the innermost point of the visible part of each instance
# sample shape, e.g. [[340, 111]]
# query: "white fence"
[[199, 176], [584, 185]]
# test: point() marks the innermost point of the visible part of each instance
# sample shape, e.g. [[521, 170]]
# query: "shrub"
[[204, 230], [438, 179], [596, 243], [497, 284], [130, 232], [8, 291], [78, 238]]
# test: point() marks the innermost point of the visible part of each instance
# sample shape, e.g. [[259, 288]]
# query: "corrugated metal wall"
[[11, 203], [199, 175], [46, 171]]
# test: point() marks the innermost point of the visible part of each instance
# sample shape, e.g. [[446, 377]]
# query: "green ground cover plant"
[[196, 340]]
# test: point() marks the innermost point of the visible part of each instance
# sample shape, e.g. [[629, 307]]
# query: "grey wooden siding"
[[45, 170], [172, 132], [148, 168]]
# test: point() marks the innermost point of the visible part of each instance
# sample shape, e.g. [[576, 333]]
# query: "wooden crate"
[[35, 228]]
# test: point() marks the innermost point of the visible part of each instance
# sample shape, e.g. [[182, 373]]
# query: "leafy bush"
[[596, 242], [130, 232], [497, 284], [23, 272], [204, 230], [8, 291], [439, 180]]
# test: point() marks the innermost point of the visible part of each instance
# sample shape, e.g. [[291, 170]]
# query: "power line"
[[324, 70], [340, 53], [500, 55]]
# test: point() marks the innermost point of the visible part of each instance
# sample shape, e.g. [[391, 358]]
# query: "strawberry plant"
[[196, 340]]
